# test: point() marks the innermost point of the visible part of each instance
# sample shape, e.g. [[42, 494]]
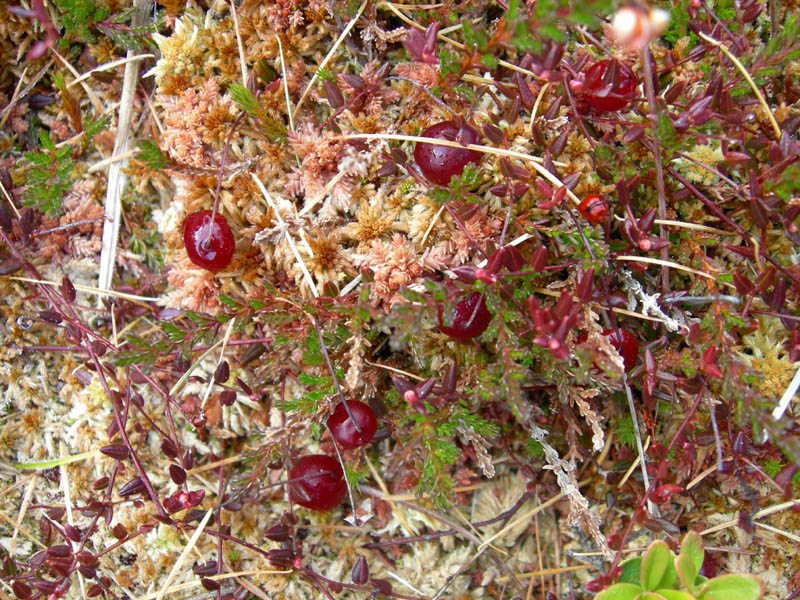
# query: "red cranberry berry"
[[343, 428], [593, 208], [470, 318], [626, 344], [317, 482], [440, 163], [609, 85], [212, 252]]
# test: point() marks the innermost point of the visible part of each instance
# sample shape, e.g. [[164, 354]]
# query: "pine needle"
[[90, 290], [775, 127], [786, 399], [116, 174], [542, 572], [240, 46], [520, 519], [26, 500], [179, 384], [182, 558], [108, 66], [672, 265], [289, 239]]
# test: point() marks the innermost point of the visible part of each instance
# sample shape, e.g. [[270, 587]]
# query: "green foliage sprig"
[[660, 575], [50, 178]]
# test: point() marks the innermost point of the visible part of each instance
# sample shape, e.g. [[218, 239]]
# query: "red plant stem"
[[220, 491], [124, 435], [507, 219], [324, 349], [52, 296], [464, 230], [504, 516], [578, 117], [167, 403], [654, 482], [119, 543], [249, 341], [219, 175], [67, 226], [53, 349], [717, 212], [650, 92], [353, 586], [722, 24]]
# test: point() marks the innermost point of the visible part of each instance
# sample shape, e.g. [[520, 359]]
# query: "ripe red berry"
[[609, 85], [317, 482], [440, 163], [593, 208], [470, 318], [212, 252], [343, 429], [626, 344]]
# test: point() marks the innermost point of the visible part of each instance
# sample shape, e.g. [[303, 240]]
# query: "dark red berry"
[[317, 482], [626, 344], [609, 85], [470, 318], [212, 252], [343, 429], [440, 163], [593, 208]]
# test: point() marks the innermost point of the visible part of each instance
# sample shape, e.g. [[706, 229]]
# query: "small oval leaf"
[[656, 567]]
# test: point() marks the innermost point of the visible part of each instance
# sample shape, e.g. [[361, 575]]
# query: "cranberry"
[[212, 252], [626, 344], [343, 428], [440, 163], [471, 318], [593, 208], [609, 85], [317, 482]]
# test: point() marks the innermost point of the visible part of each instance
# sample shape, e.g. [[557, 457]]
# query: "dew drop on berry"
[[213, 251]]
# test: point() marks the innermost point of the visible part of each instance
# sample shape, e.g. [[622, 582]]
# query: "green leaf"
[[174, 333], [675, 594], [245, 99], [657, 568], [686, 571], [228, 301], [692, 546], [56, 462], [150, 154], [620, 591], [631, 569], [732, 587]]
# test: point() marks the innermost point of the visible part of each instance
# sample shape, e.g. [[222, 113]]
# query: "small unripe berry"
[[593, 208]]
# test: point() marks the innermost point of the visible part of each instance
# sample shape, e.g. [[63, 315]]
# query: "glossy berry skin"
[[470, 318], [440, 163], [626, 344], [609, 95], [593, 208], [320, 482], [217, 253], [343, 429]]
